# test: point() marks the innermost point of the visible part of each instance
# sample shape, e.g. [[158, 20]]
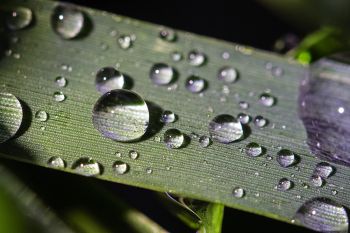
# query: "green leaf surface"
[[208, 174]]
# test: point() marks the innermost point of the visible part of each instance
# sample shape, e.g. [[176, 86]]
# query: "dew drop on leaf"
[[174, 138], [108, 79], [120, 168], [19, 18], [87, 167], [162, 74], [225, 129]]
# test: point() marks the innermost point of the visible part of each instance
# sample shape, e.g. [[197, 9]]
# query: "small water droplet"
[[225, 129], [225, 55], [61, 81], [168, 117], [324, 170], [176, 56], [260, 121], [56, 162], [204, 141], [41, 116], [323, 215], [195, 84], [125, 41], [334, 192], [11, 115], [157, 139], [162, 74], [305, 185], [108, 79], [253, 149], [16, 55], [149, 170], [317, 181], [286, 158], [120, 168], [267, 100], [238, 192], [196, 58], [167, 34], [173, 138], [121, 115], [243, 118], [118, 154], [276, 71], [59, 96], [87, 167], [19, 18], [133, 154], [227, 74], [243, 105], [67, 21], [284, 184]]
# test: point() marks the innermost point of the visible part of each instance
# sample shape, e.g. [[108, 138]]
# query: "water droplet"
[[67, 21], [260, 121], [173, 138], [56, 162], [317, 181], [120, 167], [59, 96], [176, 56], [267, 100], [133, 154], [196, 58], [149, 170], [156, 139], [108, 79], [238, 192], [227, 74], [284, 184], [253, 149], [334, 192], [87, 167], [323, 215], [19, 18], [243, 105], [168, 117], [162, 74], [125, 41], [286, 158], [118, 154], [276, 71], [243, 118], [305, 185], [41, 115], [195, 84], [121, 115], [11, 115], [324, 170], [225, 55], [225, 129], [204, 141], [61, 81], [167, 34]]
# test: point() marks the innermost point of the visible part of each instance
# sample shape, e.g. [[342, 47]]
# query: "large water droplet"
[[225, 129], [195, 84], [238, 192], [227, 74], [56, 162], [108, 79], [173, 138], [196, 58], [120, 168], [162, 74], [11, 115], [324, 170], [284, 184], [67, 21], [253, 149], [267, 100], [323, 215], [168, 117], [286, 158], [87, 167], [41, 115], [19, 18], [121, 115]]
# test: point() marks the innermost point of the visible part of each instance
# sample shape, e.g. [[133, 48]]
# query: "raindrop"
[[168, 117], [267, 100], [87, 167], [260, 121], [173, 138], [167, 34], [56, 162], [243, 105], [176, 56], [286, 158], [324, 170], [317, 181], [133, 154], [253, 149], [196, 58], [11, 115], [59, 96], [195, 84], [19, 18], [121, 115], [225, 129], [61, 81], [120, 167], [125, 41], [204, 141], [108, 79], [227, 74], [67, 21], [243, 118], [238, 192], [284, 184], [323, 215], [162, 74], [41, 116]]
